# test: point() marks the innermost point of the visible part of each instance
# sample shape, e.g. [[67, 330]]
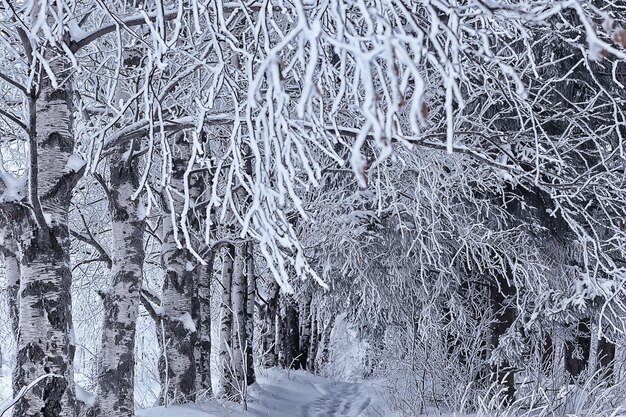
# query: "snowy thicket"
[[429, 193]]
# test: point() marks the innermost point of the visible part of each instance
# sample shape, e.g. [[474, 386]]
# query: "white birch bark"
[[178, 363], [203, 346], [305, 330], [238, 300], [289, 338], [225, 385], [9, 257], [121, 301], [324, 345], [313, 348], [268, 337], [250, 303], [45, 325]]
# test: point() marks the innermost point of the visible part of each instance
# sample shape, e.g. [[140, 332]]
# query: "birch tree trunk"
[[203, 346], [44, 345], [9, 256], [121, 301], [178, 363], [289, 337], [238, 300], [606, 360], [315, 337], [268, 337], [305, 331], [250, 303], [323, 351], [225, 385], [504, 312]]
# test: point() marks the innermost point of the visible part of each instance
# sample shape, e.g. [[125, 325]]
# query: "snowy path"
[[290, 394], [344, 400]]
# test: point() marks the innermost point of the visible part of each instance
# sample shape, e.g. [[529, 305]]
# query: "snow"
[[187, 321], [76, 32], [74, 163], [285, 393], [5, 385], [15, 187], [84, 396]]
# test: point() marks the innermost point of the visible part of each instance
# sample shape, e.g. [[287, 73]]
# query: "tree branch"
[[14, 119], [130, 21], [13, 83]]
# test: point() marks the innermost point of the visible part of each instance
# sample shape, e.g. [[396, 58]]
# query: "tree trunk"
[[239, 338], [323, 350], [268, 337], [8, 252], [44, 343], [305, 331], [225, 386], [504, 317], [289, 338], [250, 302], [547, 355], [315, 339], [203, 346], [577, 351], [178, 363], [606, 359], [116, 380]]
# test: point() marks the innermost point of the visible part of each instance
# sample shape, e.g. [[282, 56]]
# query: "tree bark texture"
[[225, 385], [305, 331], [178, 363], [250, 303], [315, 339], [323, 349], [268, 336], [504, 317], [45, 344], [289, 333], [238, 299], [606, 359], [203, 346], [116, 380]]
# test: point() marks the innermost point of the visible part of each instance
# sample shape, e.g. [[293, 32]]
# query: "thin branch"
[[14, 119], [135, 20], [13, 83]]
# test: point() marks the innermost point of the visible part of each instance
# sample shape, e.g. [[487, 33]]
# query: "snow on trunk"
[[121, 300], [45, 322], [225, 386]]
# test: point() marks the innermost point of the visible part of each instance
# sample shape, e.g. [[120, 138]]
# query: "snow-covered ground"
[[281, 393]]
